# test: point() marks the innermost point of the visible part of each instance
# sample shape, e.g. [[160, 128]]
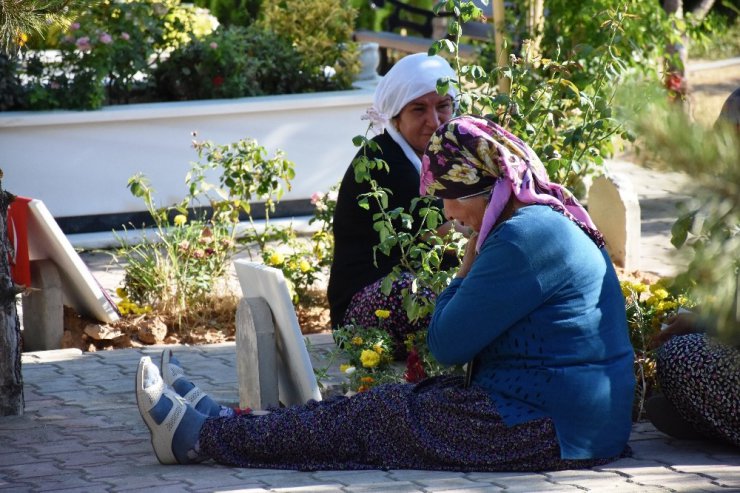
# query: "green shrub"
[[204, 69], [177, 272], [321, 32], [717, 38], [233, 12], [11, 90], [105, 55]]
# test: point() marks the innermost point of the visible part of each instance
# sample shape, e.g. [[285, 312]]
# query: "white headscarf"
[[410, 78]]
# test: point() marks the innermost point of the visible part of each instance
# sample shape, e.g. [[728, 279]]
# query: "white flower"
[[378, 120], [350, 370]]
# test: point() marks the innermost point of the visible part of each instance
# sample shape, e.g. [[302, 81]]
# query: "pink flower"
[[125, 36], [106, 38], [316, 197], [74, 26], [427, 178], [213, 45], [83, 44]]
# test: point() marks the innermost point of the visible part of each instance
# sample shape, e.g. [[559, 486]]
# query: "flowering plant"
[[323, 240], [369, 355], [106, 54], [298, 263], [648, 305], [179, 272]]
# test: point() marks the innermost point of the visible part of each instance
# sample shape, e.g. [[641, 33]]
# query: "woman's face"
[[467, 212], [418, 120]]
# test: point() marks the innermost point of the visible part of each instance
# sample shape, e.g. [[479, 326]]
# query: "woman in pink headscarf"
[[536, 306]]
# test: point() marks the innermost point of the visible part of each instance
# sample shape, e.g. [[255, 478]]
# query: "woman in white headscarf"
[[406, 111]]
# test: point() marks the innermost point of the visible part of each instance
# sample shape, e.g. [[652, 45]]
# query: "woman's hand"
[[450, 225], [678, 325], [469, 257]]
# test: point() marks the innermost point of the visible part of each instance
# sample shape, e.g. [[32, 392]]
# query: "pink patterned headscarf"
[[469, 154]]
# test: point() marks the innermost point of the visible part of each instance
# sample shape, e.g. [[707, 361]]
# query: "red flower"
[[674, 82], [414, 369], [217, 80]]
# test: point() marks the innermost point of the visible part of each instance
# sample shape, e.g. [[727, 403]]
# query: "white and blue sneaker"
[[173, 423]]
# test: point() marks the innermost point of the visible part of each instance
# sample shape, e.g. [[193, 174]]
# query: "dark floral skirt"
[[435, 425], [701, 378], [365, 303]]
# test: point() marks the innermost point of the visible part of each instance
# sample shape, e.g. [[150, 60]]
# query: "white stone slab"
[[81, 290], [296, 380]]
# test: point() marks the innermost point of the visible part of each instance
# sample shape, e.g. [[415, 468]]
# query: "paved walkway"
[[81, 430]]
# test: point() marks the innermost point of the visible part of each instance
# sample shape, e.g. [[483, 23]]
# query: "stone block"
[[43, 308], [615, 209], [256, 354]]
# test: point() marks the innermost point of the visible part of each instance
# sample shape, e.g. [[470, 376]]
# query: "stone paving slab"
[[84, 433], [81, 430]]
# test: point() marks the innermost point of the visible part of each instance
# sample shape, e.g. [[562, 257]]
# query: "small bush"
[[11, 89], [321, 32]]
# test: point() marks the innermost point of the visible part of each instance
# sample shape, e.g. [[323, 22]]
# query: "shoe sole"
[[161, 434]]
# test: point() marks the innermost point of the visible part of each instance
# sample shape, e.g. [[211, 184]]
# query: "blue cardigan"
[[542, 312]]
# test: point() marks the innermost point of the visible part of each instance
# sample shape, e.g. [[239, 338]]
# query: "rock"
[[153, 333], [100, 332]]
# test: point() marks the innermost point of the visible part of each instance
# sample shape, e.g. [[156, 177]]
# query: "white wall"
[[78, 163]]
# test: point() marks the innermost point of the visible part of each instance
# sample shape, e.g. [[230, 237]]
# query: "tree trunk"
[[701, 10], [676, 57], [535, 24], [11, 380], [502, 57]]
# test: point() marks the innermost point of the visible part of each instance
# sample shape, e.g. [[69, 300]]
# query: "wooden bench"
[[410, 29]]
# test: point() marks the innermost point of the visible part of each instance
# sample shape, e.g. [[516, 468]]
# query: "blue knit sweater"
[[542, 313]]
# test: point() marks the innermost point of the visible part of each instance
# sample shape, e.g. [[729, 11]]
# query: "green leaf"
[[680, 229]]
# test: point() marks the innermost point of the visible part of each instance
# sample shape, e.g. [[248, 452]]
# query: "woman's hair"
[[411, 77]]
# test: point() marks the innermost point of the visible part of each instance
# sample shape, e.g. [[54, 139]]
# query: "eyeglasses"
[[465, 197]]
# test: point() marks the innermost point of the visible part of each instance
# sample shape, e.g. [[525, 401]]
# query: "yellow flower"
[[275, 258], [666, 306], [344, 367], [180, 220], [626, 291], [369, 359], [378, 348], [304, 266], [639, 287], [382, 313], [121, 292], [357, 341], [660, 293]]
